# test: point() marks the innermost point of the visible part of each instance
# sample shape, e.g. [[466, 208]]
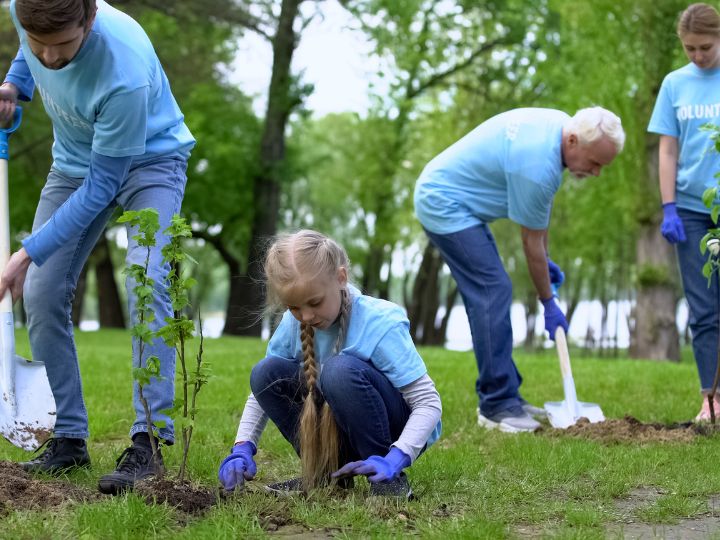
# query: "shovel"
[[563, 414], [27, 407]]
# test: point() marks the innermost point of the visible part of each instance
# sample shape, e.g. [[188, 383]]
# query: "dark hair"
[[50, 16], [699, 19]]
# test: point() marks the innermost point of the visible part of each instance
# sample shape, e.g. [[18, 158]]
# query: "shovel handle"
[[563, 354], [6, 301]]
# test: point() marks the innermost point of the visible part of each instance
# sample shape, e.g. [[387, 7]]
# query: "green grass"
[[471, 484]]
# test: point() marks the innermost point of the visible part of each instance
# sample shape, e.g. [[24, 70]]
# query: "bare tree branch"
[[227, 12], [440, 76]]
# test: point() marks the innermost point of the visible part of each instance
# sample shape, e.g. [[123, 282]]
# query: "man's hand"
[[8, 102], [672, 226], [557, 276], [377, 468], [554, 317], [13, 276]]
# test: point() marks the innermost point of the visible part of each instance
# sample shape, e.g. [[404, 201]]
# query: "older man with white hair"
[[510, 166]]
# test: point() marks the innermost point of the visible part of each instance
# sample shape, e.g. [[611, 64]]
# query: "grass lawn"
[[471, 484]]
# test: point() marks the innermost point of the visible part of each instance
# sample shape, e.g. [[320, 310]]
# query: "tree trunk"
[[440, 334], [655, 335], [110, 311], [574, 295], [424, 303], [247, 299], [79, 299], [371, 281]]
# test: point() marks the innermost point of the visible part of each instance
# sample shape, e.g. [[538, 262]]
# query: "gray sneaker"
[[514, 420], [293, 486], [535, 412]]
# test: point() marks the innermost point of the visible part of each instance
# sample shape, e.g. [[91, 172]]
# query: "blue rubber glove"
[[672, 227], [557, 276], [238, 466], [376, 468], [554, 317]]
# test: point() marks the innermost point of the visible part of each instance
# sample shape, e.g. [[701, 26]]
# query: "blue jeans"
[[369, 411], [50, 289], [703, 301], [486, 291]]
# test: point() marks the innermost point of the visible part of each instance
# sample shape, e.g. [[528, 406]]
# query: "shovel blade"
[[27, 417], [562, 414]]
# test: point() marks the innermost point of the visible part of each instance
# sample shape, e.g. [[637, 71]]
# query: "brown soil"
[[629, 429], [183, 496], [21, 491]]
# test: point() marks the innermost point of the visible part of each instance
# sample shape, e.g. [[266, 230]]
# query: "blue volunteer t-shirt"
[[510, 166], [112, 110], [688, 99], [378, 333], [112, 98]]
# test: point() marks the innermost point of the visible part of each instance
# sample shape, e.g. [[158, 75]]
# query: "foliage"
[[146, 222], [219, 195], [710, 199], [179, 329]]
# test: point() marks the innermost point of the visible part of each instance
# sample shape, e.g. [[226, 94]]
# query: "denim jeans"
[[486, 291], [369, 411], [50, 289], [703, 301]]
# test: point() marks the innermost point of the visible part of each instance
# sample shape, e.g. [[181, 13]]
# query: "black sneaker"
[[61, 454], [400, 488], [135, 463]]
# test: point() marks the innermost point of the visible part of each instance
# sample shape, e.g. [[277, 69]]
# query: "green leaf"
[[707, 270], [708, 196], [703, 242], [141, 376]]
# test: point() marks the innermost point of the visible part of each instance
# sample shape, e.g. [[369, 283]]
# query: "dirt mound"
[[183, 496], [629, 429], [21, 491]]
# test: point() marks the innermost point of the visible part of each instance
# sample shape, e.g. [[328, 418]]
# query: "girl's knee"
[[270, 370], [336, 371]]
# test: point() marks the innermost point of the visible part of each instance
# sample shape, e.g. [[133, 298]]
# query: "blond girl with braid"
[[341, 379]]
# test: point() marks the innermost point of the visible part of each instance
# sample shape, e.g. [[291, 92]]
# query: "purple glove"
[[672, 227], [238, 466], [554, 317], [557, 276], [376, 468]]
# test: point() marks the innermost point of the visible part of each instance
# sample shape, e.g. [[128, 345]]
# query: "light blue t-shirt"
[[378, 333], [688, 99], [510, 166], [112, 98]]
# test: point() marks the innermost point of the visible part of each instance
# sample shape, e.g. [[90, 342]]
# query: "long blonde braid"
[[319, 437]]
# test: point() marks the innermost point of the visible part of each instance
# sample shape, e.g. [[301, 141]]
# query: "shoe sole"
[[505, 428]]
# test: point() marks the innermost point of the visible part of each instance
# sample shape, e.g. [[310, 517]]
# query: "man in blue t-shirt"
[[120, 140], [510, 166]]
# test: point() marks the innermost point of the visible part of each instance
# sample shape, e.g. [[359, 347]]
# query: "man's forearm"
[[534, 248]]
